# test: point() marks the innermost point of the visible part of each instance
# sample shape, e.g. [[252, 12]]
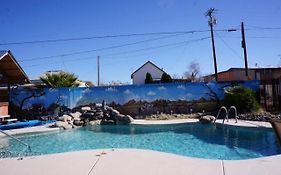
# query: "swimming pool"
[[191, 139]]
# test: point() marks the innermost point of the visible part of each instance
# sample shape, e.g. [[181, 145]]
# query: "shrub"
[[166, 78], [148, 78], [242, 98]]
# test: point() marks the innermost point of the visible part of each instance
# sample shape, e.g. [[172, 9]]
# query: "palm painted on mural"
[[60, 79]]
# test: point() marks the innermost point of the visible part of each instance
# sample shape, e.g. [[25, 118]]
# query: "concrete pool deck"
[[244, 123], [47, 128], [136, 161]]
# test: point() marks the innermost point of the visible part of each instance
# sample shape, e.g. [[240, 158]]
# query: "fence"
[[132, 99], [270, 94]]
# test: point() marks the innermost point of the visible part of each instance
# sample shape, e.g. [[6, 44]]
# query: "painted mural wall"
[[132, 99]]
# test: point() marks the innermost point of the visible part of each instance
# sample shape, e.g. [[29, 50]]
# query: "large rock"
[[124, 120], [65, 118], [63, 125], [78, 123], [76, 114], [108, 108], [76, 119], [85, 108], [95, 122], [113, 112], [107, 122], [68, 126], [89, 116], [207, 119]]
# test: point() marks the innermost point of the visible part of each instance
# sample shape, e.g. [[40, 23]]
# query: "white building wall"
[[140, 75]]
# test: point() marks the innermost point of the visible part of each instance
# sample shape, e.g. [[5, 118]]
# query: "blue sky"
[[55, 19]]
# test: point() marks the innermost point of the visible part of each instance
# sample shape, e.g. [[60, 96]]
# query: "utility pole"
[[212, 21], [98, 64], [243, 43]]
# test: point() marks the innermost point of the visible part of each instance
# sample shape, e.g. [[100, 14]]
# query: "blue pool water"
[[193, 139]]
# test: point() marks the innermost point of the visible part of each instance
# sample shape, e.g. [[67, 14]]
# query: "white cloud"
[[181, 87], [150, 93], [188, 95], [161, 88], [111, 89], [53, 90], [127, 91], [86, 91]]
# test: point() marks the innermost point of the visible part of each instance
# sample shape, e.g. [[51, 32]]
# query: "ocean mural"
[[131, 99]]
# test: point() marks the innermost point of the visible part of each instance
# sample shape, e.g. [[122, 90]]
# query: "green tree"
[[242, 98], [60, 79], [148, 78], [166, 78]]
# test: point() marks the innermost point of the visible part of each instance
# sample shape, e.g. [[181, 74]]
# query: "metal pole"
[[212, 22], [214, 51], [243, 43]]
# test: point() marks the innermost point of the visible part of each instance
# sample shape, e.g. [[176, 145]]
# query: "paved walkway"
[[137, 162]]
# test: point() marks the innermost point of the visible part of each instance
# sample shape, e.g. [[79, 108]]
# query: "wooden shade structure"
[[11, 72]]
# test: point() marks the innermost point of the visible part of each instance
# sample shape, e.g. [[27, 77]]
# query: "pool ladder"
[[227, 113], [19, 141]]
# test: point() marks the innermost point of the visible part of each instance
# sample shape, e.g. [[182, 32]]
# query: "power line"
[[156, 47], [125, 35], [99, 49], [99, 37], [262, 28], [228, 46], [103, 37], [255, 37], [184, 43]]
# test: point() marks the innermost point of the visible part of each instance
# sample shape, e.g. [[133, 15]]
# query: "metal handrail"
[[23, 143], [223, 107], [235, 113], [227, 113]]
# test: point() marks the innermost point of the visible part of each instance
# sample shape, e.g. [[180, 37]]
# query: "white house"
[[140, 74]]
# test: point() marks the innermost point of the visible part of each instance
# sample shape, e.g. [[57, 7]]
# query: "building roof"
[[144, 65], [235, 68], [10, 70]]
